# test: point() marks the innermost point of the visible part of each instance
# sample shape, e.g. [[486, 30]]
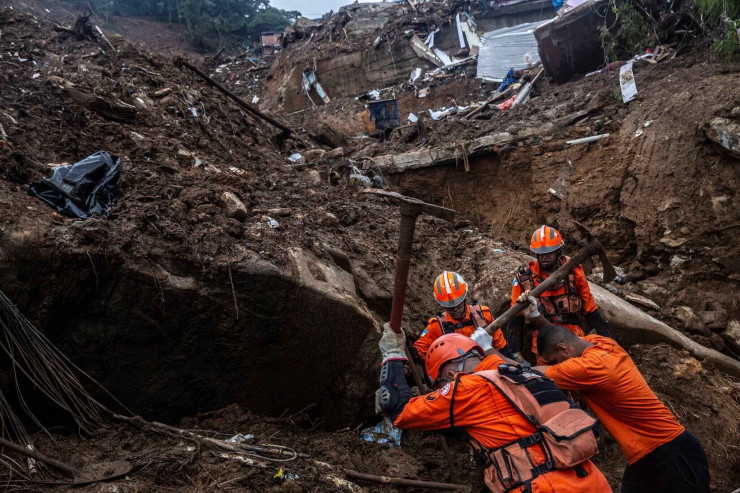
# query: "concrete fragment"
[[437, 156], [642, 301], [233, 206], [313, 177], [726, 133]]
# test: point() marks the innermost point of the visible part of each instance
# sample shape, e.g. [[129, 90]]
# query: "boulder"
[[233, 206], [716, 320], [726, 133]]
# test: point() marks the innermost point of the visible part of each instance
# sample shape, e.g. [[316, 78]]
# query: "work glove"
[[392, 345], [482, 338], [531, 310], [519, 358]]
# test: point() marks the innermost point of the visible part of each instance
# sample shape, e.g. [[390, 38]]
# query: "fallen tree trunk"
[[630, 325], [250, 108], [119, 112]]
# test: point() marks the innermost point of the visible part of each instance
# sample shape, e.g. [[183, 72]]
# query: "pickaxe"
[[592, 247], [411, 208]]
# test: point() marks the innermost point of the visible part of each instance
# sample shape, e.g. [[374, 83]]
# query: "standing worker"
[[521, 427], [562, 305], [662, 456], [450, 291]]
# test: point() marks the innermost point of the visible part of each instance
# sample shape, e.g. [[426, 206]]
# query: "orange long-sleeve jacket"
[[433, 331], [588, 304], [612, 386], [490, 419]]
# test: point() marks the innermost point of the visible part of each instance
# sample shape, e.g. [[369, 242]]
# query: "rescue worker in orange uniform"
[[564, 305], [450, 291], [662, 456], [502, 409]]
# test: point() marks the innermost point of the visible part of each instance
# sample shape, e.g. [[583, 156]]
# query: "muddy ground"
[[181, 309]]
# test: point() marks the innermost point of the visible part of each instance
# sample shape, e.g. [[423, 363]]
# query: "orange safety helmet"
[[546, 240], [450, 289], [447, 348]]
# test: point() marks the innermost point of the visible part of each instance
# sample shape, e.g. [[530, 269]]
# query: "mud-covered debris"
[[335, 153], [731, 335]]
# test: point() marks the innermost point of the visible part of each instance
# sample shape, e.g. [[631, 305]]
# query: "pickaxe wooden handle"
[[593, 247]]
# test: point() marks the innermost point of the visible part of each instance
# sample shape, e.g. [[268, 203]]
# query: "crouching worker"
[[522, 429], [662, 456]]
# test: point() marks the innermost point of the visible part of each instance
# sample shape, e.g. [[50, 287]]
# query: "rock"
[[163, 92], [178, 207], [690, 321], [716, 320], [726, 133], [651, 268], [313, 177], [330, 219], [642, 301], [313, 155], [687, 368], [280, 212], [673, 242], [652, 288], [731, 335], [233, 206], [335, 153], [677, 262]]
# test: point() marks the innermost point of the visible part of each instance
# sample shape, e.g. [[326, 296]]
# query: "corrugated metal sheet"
[[504, 49]]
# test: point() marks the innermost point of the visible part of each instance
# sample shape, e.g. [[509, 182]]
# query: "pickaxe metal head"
[[609, 272], [414, 207]]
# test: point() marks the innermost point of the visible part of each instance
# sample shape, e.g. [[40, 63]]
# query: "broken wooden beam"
[[437, 156], [404, 482], [287, 131]]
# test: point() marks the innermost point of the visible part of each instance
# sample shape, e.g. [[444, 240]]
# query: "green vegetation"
[[721, 18], [629, 34], [209, 23]]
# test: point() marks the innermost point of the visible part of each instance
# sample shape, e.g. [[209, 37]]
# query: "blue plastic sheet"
[[384, 433], [87, 188], [508, 80]]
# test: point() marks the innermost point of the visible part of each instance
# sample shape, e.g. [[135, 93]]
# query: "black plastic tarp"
[[87, 188]]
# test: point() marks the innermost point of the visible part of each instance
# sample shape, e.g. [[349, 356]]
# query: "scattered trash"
[[36, 75], [555, 193], [499, 250], [506, 104], [239, 438], [639, 132], [383, 433], [423, 93], [586, 140], [627, 82], [413, 118], [294, 157], [507, 80], [271, 222], [87, 188], [374, 94], [415, 74], [255, 99], [281, 474]]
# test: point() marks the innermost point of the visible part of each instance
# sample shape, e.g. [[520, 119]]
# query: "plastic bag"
[[87, 188]]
